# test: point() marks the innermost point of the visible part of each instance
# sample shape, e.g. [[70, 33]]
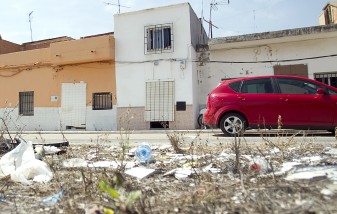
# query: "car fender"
[[229, 108]]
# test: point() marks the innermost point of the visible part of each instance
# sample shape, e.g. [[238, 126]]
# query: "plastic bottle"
[[144, 153]]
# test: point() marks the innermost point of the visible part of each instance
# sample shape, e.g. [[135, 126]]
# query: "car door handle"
[[241, 98], [284, 99]]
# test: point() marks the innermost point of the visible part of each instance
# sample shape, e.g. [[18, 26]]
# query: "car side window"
[[235, 86], [296, 86], [331, 92], [257, 86]]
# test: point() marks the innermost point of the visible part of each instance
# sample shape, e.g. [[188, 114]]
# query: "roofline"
[[97, 35], [334, 4], [47, 40], [273, 35], [154, 8]]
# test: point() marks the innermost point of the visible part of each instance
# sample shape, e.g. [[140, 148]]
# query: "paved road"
[[157, 137]]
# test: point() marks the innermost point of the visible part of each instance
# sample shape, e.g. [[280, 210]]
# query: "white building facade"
[[309, 52], [156, 67]]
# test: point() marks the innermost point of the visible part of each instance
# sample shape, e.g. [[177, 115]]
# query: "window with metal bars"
[[26, 103], [327, 78], [158, 38], [102, 101]]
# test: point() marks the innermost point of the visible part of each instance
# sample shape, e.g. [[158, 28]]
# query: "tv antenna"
[[213, 6], [118, 4], [30, 24]]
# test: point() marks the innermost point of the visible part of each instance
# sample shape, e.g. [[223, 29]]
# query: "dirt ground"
[[215, 182]]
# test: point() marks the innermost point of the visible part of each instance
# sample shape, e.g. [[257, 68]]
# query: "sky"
[[80, 18]]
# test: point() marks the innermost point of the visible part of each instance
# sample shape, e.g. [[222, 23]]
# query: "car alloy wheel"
[[232, 124]]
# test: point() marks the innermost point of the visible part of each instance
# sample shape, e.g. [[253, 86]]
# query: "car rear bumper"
[[210, 120]]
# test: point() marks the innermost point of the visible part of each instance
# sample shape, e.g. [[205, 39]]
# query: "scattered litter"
[[212, 168], [312, 159], [190, 164], [274, 150], [7, 145], [75, 162], [171, 172], [260, 165], [165, 147], [21, 165], [313, 172], [61, 144], [2, 199], [53, 199], [39, 152], [182, 173], [103, 164], [327, 192], [50, 150], [330, 151], [132, 152], [287, 166], [144, 153], [139, 172]]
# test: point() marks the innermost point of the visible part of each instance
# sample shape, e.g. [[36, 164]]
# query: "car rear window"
[[235, 86]]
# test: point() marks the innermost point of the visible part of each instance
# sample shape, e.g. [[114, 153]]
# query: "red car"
[[252, 102]]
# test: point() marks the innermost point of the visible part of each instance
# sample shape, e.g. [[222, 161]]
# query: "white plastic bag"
[[23, 153], [33, 169], [21, 164]]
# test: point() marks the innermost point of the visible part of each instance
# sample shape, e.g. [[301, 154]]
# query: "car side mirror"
[[321, 91]]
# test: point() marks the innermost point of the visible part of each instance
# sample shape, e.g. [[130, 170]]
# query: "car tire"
[[201, 122], [233, 124]]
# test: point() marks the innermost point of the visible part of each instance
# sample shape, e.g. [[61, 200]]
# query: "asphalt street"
[[158, 137]]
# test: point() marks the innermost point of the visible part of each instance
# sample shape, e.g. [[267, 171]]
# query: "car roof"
[[228, 81], [265, 76]]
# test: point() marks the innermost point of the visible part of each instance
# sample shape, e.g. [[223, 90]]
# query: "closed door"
[[73, 105]]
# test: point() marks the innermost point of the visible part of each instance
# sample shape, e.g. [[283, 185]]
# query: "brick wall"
[[132, 118], [43, 43], [8, 47]]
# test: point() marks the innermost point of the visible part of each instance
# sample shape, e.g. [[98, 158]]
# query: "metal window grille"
[[158, 38], [102, 101], [327, 78], [159, 101], [26, 103]]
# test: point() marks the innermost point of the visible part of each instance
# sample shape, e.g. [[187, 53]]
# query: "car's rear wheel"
[[232, 124]]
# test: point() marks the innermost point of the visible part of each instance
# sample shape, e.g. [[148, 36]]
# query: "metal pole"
[[30, 25]]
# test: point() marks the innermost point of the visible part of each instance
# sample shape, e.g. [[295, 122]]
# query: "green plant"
[[124, 200]]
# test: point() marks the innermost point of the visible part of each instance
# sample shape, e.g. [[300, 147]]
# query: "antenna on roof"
[[213, 6], [118, 4], [30, 25]]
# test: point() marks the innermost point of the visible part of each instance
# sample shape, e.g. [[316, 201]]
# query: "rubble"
[[294, 179]]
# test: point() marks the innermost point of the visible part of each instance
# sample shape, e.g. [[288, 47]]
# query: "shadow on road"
[[283, 134]]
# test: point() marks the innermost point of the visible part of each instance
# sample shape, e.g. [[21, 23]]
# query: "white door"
[[73, 105]]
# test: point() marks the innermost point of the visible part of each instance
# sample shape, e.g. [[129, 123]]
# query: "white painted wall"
[[44, 119], [48, 119], [101, 120], [267, 52], [134, 68]]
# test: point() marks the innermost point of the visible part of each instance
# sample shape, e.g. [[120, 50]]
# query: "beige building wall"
[[329, 15], [43, 71]]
